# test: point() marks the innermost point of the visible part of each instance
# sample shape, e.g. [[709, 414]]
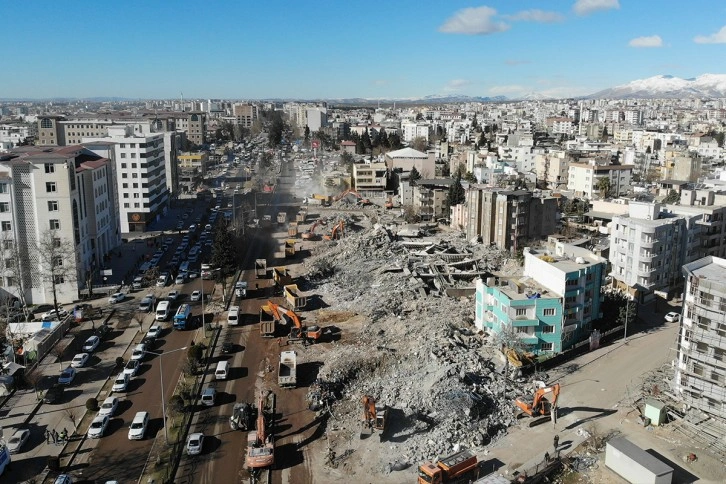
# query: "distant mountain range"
[[668, 87]]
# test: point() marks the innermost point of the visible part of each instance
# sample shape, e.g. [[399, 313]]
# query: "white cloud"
[[456, 84], [647, 41], [513, 88], [473, 21], [717, 38], [536, 15], [586, 7]]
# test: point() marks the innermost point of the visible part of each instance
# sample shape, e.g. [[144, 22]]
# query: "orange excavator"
[[337, 231], [541, 406], [373, 419], [260, 446], [310, 234], [360, 199], [298, 331]]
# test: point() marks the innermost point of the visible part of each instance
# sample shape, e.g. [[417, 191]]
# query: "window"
[[7, 244], [124, 185], [56, 242], [46, 123], [548, 329], [6, 226], [52, 205], [54, 224], [521, 312], [3, 188], [58, 261], [50, 187], [59, 279], [549, 311], [49, 168], [4, 207], [123, 165], [546, 346]]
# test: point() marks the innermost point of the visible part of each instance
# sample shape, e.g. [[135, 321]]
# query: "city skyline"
[[317, 50]]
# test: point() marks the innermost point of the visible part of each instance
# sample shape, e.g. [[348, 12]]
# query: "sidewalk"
[[25, 408]]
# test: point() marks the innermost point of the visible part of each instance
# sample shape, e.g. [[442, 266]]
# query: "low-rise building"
[[370, 177]]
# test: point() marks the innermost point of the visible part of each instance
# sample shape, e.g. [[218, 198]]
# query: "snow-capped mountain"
[[670, 87]]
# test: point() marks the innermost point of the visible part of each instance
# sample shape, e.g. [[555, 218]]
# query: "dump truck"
[[293, 297], [290, 248], [266, 221], [281, 218], [287, 372], [261, 268], [281, 276], [301, 216], [292, 229], [324, 200], [457, 468], [267, 322]]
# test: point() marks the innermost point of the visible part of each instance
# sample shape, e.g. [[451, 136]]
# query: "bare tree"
[[34, 379], [12, 268], [56, 268], [72, 413], [58, 350]]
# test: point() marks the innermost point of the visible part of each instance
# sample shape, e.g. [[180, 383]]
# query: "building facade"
[[700, 379], [370, 177]]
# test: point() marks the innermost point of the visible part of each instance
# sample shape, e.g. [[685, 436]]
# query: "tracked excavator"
[[298, 331], [542, 408], [359, 198], [310, 234], [373, 418], [260, 445], [337, 232]]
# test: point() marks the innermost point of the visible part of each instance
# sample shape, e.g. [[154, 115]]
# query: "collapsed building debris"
[[418, 355]]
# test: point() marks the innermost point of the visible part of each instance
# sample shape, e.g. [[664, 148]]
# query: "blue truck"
[[182, 319]]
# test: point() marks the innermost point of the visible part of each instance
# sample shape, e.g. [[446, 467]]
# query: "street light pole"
[[161, 382], [627, 312]]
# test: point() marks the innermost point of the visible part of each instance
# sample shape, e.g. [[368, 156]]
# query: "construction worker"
[[556, 441]]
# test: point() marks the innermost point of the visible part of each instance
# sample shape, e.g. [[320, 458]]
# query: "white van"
[[137, 430], [233, 316], [162, 310], [222, 370]]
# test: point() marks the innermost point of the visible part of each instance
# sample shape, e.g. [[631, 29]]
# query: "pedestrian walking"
[[47, 436], [279, 341], [64, 435], [54, 435], [556, 441]]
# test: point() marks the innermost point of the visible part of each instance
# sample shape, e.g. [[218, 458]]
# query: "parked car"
[[195, 442], [120, 383], [80, 360], [132, 367], [154, 331], [147, 303], [138, 352], [209, 397], [17, 440], [109, 406], [98, 426], [196, 296], [54, 394], [173, 295], [91, 344], [53, 315], [116, 297], [673, 317], [66, 377]]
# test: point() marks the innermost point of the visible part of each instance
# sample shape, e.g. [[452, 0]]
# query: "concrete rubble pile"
[[419, 355]]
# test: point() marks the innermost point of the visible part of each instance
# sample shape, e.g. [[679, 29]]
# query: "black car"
[[227, 347], [149, 342], [54, 394]]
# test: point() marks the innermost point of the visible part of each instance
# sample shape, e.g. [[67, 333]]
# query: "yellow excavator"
[[373, 418]]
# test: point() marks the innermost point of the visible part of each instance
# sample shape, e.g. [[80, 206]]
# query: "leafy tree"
[[223, 250], [394, 141], [360, 147], [474, 123], [482, 140], [603, 186], [414, 175], [419, 117], [719, 137], [605, 134], [456, 194], [366, 139], [383, 138], [307, 134], [469, 176], [672, 197], [347, 158], [276, 129]]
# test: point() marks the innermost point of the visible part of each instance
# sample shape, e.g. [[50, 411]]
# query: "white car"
[[109, 406], [173, 295], [80, 360], [195, 442], [17, 440], [672, 317], [91, 344], [116, 297], [132, 367], [196, 296], [180, 279], [98, 426], [66, 377], [154, 331], [120, 383], [139, 352], [52, 315]]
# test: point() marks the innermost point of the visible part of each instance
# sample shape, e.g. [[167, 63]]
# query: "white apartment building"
[[59, 195], [700, 379], [140, 176], [583, 178], [411, 130], [316, 118], [370, 176]]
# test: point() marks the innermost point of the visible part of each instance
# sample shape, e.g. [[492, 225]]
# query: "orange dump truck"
[[461, 467]]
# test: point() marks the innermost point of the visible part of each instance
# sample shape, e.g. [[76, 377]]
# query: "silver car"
[[17, 440], [98, 426]]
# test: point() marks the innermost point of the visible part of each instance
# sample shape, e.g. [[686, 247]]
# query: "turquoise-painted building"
[[551, 306]]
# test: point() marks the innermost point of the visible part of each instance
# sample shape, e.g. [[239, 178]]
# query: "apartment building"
[[141, 176], [64, 196], [316, 118], [429, 198], [50, 132], [370, 177], [584, 178], [552, 306], [245, 114], [411, 130], [700, 379], [407, 158]]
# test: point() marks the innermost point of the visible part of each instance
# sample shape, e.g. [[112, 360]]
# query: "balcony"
[[528, 339], [520, 321], [707, 222]]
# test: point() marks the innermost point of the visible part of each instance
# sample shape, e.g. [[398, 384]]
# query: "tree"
[[469, 176], [307, 134], [366, 140], [605, 134], [223, 250], [394, 141], [277, 127], [13, 270], [719, 137], [383, 138], [419, 143], [346, 158], [57, 261], [58, 350], [603, 186], [456, 194], [672, 197], [414, 175]]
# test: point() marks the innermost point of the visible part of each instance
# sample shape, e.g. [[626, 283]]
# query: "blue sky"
[[339, 48]]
